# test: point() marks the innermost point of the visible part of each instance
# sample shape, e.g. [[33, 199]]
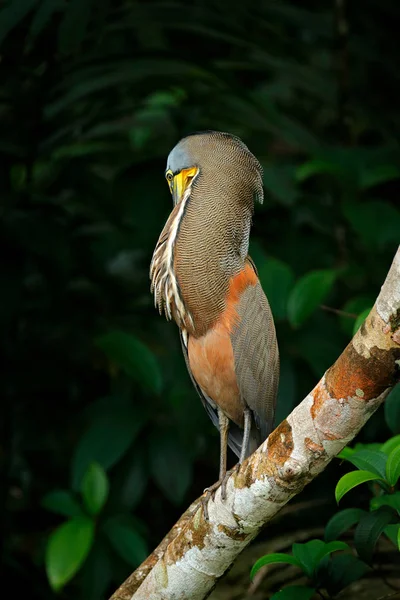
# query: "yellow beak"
[[181, 182]]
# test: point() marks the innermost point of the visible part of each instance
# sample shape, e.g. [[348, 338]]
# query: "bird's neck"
[[210, 248]]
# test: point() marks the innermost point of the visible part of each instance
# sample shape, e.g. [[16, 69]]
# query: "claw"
[[209, 494], [203, 503], [225, 480]]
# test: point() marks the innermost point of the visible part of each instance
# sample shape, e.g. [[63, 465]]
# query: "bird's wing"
[[235, 433], [256, 355]]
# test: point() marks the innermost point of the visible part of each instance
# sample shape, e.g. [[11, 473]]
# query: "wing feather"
[[256, 356]]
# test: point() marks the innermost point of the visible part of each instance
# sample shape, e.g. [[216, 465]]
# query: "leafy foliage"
[[383, 516], [384, 508], [123, 534], [384, 465], [309, 292], [133, 356], [294, 592], [62, 502], [309, 557], [351, 480], [392, 410], [370, 528], [94, 488], [67, 549], [93, 97], [341, 522]]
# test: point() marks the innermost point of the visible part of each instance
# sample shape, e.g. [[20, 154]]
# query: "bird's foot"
[[209, 493], [225, 480]]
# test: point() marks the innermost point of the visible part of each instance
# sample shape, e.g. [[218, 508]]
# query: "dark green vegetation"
[[95, 399], [379, 466]]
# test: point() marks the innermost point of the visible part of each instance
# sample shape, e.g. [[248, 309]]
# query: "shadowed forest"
[[103, 440]]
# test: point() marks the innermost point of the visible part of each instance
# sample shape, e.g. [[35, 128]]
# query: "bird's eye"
[[169, 176]]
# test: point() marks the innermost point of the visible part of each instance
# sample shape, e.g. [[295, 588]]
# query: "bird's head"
[[214, 164]]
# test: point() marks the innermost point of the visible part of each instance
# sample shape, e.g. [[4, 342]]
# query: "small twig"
[[337, 311]]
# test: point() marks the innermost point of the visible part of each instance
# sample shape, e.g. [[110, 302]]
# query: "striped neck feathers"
[[164, 284]]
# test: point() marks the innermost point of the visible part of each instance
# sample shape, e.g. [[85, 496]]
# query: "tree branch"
[[196, 553]]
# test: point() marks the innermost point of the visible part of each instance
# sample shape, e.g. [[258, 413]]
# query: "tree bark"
[[196, 553]]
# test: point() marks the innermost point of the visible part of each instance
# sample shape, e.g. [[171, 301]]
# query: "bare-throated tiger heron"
[[203, 278]]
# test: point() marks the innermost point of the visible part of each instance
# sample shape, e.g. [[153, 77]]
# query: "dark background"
[[93, 95]]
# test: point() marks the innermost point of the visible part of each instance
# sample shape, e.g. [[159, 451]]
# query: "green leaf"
[[107, 438], [12, 13], [294, 592], [277, 279], [391, 444], [166, 98], [393, 466], [122, 533], [63, 503], [360, 319], [392, 500], [95, 488], [97, 574], [308, 293], [346, 453], [329, 548], [170, 466], [378, 174], [18, 176], [351, 480], [129, 482], [343, 570], [133, 357], [369, 530], [349, 451], [369, 460], [307, 555], [43, 173], [67, 549], [393, 533], [319, 350], [311, 553], [392, 410], [341, 522], [377, 223], [276, 557], [318, 167]]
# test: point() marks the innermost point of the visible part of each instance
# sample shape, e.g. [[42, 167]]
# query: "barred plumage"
[[203, 278], [164, 285]]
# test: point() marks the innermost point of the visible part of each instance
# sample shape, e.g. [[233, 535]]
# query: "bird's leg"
[[245, 443], [224, 430], [210, 491], [246, 434]]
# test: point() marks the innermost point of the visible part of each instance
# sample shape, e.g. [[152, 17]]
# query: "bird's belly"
[[212, 364]]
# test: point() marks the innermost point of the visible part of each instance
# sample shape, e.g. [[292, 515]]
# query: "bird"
[[203, 278]]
